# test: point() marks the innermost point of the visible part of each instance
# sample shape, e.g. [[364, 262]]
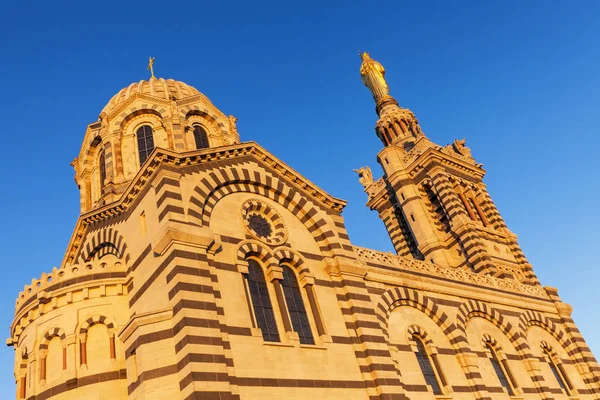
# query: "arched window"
[[408, 235], [295, 305], [426, 367], [565, 386], [499, 371], [102, 167], [263, 310], [145, 142], [200, 137], [438, 209]]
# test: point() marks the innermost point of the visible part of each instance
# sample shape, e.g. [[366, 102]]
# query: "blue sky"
[[518, 79]]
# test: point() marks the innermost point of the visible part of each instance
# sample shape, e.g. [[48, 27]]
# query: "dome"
[[157, 87]]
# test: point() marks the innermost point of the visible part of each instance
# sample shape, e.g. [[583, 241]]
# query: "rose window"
[[263, 222]]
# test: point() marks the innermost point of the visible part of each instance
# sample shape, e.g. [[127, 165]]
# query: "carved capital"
[[274, 272]]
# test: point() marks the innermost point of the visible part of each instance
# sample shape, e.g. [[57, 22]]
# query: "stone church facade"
[[203, 267]]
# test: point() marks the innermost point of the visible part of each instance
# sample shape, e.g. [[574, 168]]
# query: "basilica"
[[203, 267]]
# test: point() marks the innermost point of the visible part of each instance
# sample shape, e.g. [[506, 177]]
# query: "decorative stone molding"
[[198, 157], [41, 288], [263, 222], [458, 275], [138, 320], [66, 286]]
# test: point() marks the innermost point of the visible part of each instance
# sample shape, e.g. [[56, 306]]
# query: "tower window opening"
[[499, 371], [102, 167], [295, 305], [261, 302], [200, 137], [426, 367], [438, 209], [145, 141], [557, 375], [407, 233]]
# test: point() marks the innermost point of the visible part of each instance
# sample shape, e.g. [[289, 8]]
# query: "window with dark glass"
[[261, 302], [407, 233], [499, 371], [145, 142], [293, 299], [438, 209], [102, 167], [426, 367], [200, 137], [260, 225], [555, 372]]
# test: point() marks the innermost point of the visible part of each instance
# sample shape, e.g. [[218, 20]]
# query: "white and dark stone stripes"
[[577, 348], [530, 276], [339, 229], [397, 228], [109, 163], [518, 339], [471, 242], [219, 183], [128, 115], [447, 196], [367, 339], [256, 208], [102, 242], [489, 208], [399, 296], [210, 115], [169, 202], [96, 319], [196, 318], [51, 334]]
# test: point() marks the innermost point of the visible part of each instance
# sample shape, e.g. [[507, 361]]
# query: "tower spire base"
[[386, 102]]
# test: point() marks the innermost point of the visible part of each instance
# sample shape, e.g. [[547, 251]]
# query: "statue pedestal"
[[384, 102]]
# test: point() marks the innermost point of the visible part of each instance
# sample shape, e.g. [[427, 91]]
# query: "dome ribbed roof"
[[162, 88]]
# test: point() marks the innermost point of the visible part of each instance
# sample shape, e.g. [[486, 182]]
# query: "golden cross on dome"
[[151, 66]]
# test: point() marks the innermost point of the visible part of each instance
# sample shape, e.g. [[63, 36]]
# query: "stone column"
[[310, 293], [275, 276], [82, 350]]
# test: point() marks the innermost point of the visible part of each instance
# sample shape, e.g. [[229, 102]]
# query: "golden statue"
[[151, 66], [372, 74]]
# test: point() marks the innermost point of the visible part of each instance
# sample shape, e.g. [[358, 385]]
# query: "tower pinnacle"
[[396, 125], [372, 74]]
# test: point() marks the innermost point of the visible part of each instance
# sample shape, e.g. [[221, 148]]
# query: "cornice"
[[43, 289], [435, 155], [168, 157]]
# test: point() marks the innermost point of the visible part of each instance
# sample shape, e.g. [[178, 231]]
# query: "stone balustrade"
[[455, 274]]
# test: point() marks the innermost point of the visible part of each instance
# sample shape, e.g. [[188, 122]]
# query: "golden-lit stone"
[[206, 268]]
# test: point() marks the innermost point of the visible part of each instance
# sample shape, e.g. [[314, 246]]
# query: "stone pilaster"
[[369, 345], [577, 349]]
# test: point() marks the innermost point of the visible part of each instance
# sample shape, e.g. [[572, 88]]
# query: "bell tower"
[[432, 198]]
